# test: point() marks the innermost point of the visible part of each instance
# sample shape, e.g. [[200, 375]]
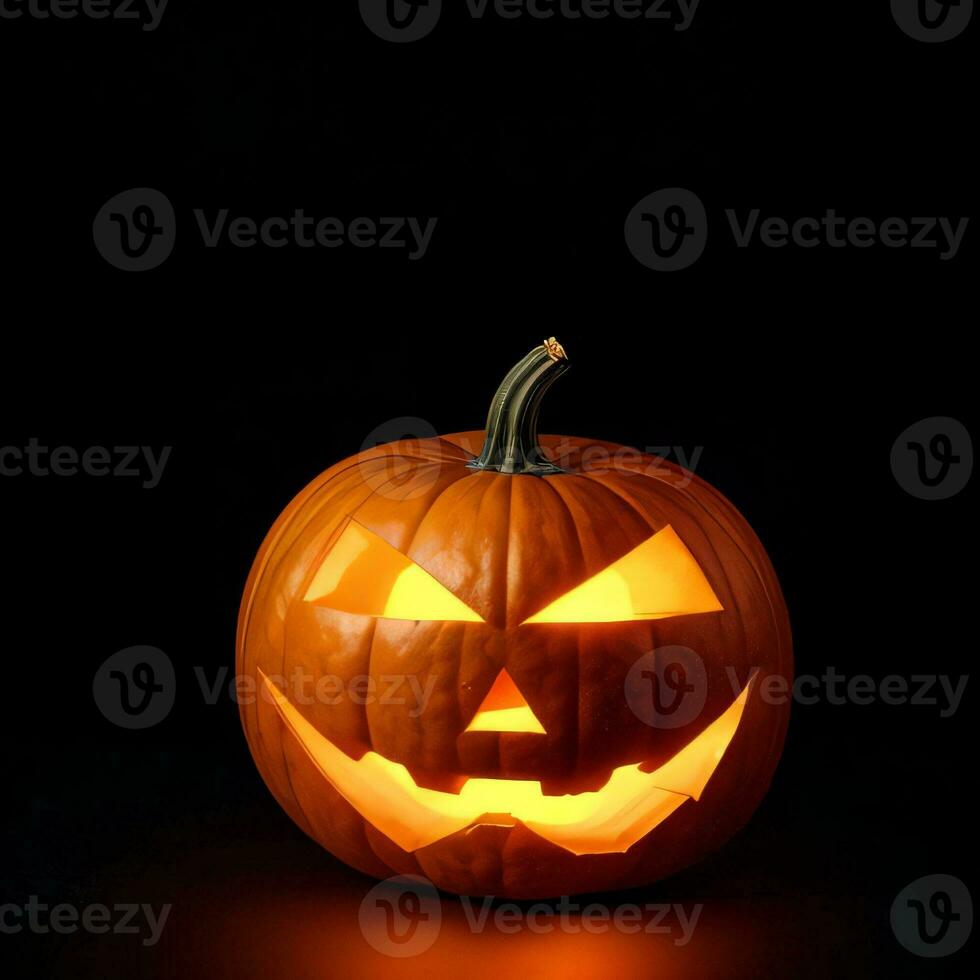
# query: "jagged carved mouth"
[[609, 820]]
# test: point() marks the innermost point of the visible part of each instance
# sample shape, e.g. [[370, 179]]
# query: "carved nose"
[[505, 709]]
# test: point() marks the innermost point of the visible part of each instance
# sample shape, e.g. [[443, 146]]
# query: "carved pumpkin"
[[446, 638]]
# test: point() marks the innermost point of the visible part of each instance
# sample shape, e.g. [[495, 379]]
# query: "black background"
[[794, 370]]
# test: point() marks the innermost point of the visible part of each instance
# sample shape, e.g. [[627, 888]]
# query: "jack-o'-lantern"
[[449, 638]]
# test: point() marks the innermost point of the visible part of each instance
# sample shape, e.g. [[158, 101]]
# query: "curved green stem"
[[511, 444]]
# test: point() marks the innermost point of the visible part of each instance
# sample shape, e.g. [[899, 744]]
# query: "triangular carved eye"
[[658, 579], [505, 709], [364, 575]]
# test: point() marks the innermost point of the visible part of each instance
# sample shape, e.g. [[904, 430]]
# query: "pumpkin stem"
[[511, 444]]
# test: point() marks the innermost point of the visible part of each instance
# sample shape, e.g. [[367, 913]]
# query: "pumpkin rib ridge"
[[686, 496], [370, 659], [273, 566], [750, 545], [466, 457], [747, 548], [593, 478], [578, 635], [750, 560], [374, 629], [287, 771], [743, 546], [267, 551], [506, 561], [428, 510]]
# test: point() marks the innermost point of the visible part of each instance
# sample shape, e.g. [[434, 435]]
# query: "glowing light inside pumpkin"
[[504, 709], [658, 579], [611, 819], [365, 575]]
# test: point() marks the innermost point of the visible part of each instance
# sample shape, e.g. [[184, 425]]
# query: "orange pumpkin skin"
[[507, 545]]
